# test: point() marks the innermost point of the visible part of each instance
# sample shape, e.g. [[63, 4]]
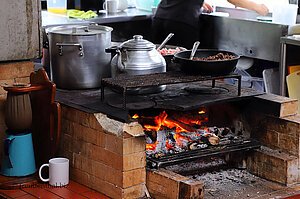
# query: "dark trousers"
[[184, 35]]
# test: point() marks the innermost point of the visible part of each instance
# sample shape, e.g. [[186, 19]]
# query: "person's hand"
[[262, 9], [207, 8]]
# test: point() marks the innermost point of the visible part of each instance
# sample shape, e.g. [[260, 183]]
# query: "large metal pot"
[[77, 55], [210, 67], [137, 57]]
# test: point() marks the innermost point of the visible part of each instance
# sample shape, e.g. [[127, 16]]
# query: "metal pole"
[[282, 70]]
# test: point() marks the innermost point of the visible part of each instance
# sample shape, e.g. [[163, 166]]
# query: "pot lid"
[[80, 30], [138, 43]]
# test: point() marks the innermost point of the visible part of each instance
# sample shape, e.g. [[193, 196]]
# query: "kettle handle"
[[112, 49]]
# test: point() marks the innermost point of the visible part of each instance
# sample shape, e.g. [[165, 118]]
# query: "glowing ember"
[[151, 146], [180, 128]]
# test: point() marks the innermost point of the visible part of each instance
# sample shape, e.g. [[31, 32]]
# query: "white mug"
[[58, 172], [111, 6]]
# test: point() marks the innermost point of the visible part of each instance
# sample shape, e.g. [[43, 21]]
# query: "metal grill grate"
[[124, 82]]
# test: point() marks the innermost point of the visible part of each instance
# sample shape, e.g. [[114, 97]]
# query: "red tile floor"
[[77, 191], [42, 190]]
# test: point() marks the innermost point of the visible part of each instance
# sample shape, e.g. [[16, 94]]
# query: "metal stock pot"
[[77, 55]]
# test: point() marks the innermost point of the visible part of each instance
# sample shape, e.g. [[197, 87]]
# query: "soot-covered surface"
[[222, 182], [179, 97]]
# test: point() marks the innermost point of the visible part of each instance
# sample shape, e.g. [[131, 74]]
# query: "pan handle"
[[112, 49], [61, 45]]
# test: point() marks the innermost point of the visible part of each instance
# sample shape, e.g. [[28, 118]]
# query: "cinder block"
[[106, 157], [127, 178], [289, 144], [11, 70], [191, 189], [67, 142], [134, 161], [274, 105], [93, 122], [164, 184], [134, 145], [137, 191], [7, 81], [89, 135], [80, 147], [79, 176], [82, 163], [274, 166], [98, 169], [119, 162], [25, 80], [75, 115], [2, 101], [125, 146], [277, 133], [114, 144], [115, 191]]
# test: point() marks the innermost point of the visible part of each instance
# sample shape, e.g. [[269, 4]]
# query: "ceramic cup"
[[58, 172], [111, 6]]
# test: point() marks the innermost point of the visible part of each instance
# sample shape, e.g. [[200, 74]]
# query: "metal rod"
[[239, 85], [282, 70], [124, 98], [194, 155], [102, 93]]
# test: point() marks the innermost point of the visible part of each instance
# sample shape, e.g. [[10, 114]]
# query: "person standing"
[[181, 17]]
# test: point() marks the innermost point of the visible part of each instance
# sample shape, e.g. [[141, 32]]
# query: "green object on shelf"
[[81, 14], [264, 18]]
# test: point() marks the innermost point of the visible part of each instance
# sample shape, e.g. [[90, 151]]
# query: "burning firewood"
[[202, 136], [214, 140], [196, 145]]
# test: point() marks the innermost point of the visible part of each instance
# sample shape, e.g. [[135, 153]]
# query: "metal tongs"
[[194, 49], [165, 41]]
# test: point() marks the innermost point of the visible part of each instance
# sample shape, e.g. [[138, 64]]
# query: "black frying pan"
[[210, 67]]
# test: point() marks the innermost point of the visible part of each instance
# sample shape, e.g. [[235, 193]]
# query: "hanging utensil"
[[195, 47], [165, 41]]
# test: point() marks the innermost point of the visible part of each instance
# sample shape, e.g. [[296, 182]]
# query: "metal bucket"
[[77, 55]]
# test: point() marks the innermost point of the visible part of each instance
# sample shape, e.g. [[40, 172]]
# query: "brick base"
[[109, 163]]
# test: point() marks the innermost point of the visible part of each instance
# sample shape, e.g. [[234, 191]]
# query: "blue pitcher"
[[18, 157]]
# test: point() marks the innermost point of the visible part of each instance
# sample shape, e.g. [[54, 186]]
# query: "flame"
[[135, 116], [201, 112], [151, 146], [180, 123]]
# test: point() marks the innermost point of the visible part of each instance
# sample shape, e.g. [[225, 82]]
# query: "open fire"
[[175, 132]]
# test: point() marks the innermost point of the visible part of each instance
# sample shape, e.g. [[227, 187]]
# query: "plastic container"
[[147, 4], [285, 14], [57, 6], [248, 81]]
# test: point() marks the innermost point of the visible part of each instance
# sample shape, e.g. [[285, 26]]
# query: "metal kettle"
[[137, 56]]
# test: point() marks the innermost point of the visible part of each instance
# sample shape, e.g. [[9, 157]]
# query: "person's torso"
[[186, 11]]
